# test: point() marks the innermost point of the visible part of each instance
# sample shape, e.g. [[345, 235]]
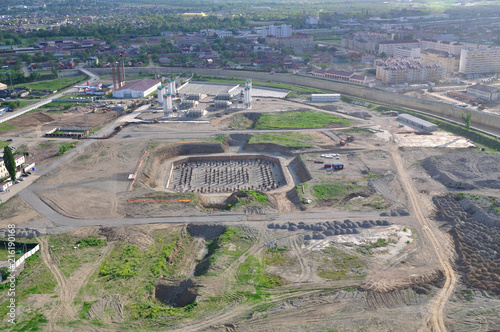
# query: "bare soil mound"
[[465, 170], [30, 119], [68, 201]]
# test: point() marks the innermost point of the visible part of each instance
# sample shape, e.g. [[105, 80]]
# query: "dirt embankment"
[[476, 242], [154, 163], [298, 168], [465, 170]]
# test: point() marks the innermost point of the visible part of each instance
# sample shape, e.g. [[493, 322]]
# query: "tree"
[[10, 162], [383, 55], [467, 117]]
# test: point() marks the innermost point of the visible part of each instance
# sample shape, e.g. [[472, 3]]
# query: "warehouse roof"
[[140, 85], [417, 121]]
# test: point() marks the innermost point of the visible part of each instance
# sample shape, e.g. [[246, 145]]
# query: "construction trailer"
[[333, 166]]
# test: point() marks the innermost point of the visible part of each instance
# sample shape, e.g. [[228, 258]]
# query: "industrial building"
[[137, 89], [479, 60], [485, 92], [417, 122], [315, 97]]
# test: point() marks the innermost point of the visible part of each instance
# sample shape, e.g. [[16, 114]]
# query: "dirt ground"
[[387, 288]]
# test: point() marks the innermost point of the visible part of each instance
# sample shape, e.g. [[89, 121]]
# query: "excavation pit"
[[226, 174]]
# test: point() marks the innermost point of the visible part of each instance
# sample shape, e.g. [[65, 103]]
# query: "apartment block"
[[389, 46], [277, 30], [479, 60], [449, 61], [453, 48], [402, 70], [404, 52]]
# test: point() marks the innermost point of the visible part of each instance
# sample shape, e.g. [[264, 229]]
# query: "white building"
[[479, 60], [453, 48], [389, 46], [137, 89], [5, 185], [19, 159], [277, 30], [325, 97], [404, 52]]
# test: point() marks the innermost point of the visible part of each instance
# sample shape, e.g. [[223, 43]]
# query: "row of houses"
[[342, 76]]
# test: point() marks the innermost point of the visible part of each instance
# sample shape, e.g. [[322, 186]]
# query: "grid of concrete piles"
[[224, 176]]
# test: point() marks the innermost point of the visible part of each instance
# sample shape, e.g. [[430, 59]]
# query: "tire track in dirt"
[[68, 288], [434, 320], [305, 273], [64, 291]]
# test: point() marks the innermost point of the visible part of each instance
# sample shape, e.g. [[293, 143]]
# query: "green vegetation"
[[70, 257], [467, 117], [249, 197], [32, 323], [3, 144], [17, 103], [285, 139], [5, 127], [340, 264], [57, 84], [123, 266], [252, 275], [334, 191], [222, 251], [240, 122], [299, 119], [63, 147], [91, 242], [365, 249], [491, 143], [217, 139], [10, 163]]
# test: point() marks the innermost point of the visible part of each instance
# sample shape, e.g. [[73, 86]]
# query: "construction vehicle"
[[350, 139], [342, 143]]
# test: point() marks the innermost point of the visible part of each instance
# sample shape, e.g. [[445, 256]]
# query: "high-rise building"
[[480, 60], [277, 30], [400, 70]]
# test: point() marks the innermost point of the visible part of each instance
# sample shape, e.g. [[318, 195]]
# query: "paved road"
[[46, 100]]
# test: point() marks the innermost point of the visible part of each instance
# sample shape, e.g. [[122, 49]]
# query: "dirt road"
[[434, 320]]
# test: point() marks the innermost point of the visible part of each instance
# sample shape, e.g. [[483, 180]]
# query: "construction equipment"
[[350, 139], [342, 143]]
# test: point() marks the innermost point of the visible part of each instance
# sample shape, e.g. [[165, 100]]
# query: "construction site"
[[265, 213]]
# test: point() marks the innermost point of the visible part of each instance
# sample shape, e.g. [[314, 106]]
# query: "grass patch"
[[249, 197], [5, 127], [63, 147], [217, 139], [240, 122], [3, 144], [252, 274], [297, 140], [334, 191], [339, 264], [17, 104], [300, 119], [34, 323], [365, 249], [70, 259], [91, 242], [57, 84]]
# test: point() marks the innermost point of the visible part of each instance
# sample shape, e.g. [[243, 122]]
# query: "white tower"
[[248, 93], [167, 105], [160, 95]]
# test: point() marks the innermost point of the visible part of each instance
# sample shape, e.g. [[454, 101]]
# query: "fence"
[[26, 255]]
